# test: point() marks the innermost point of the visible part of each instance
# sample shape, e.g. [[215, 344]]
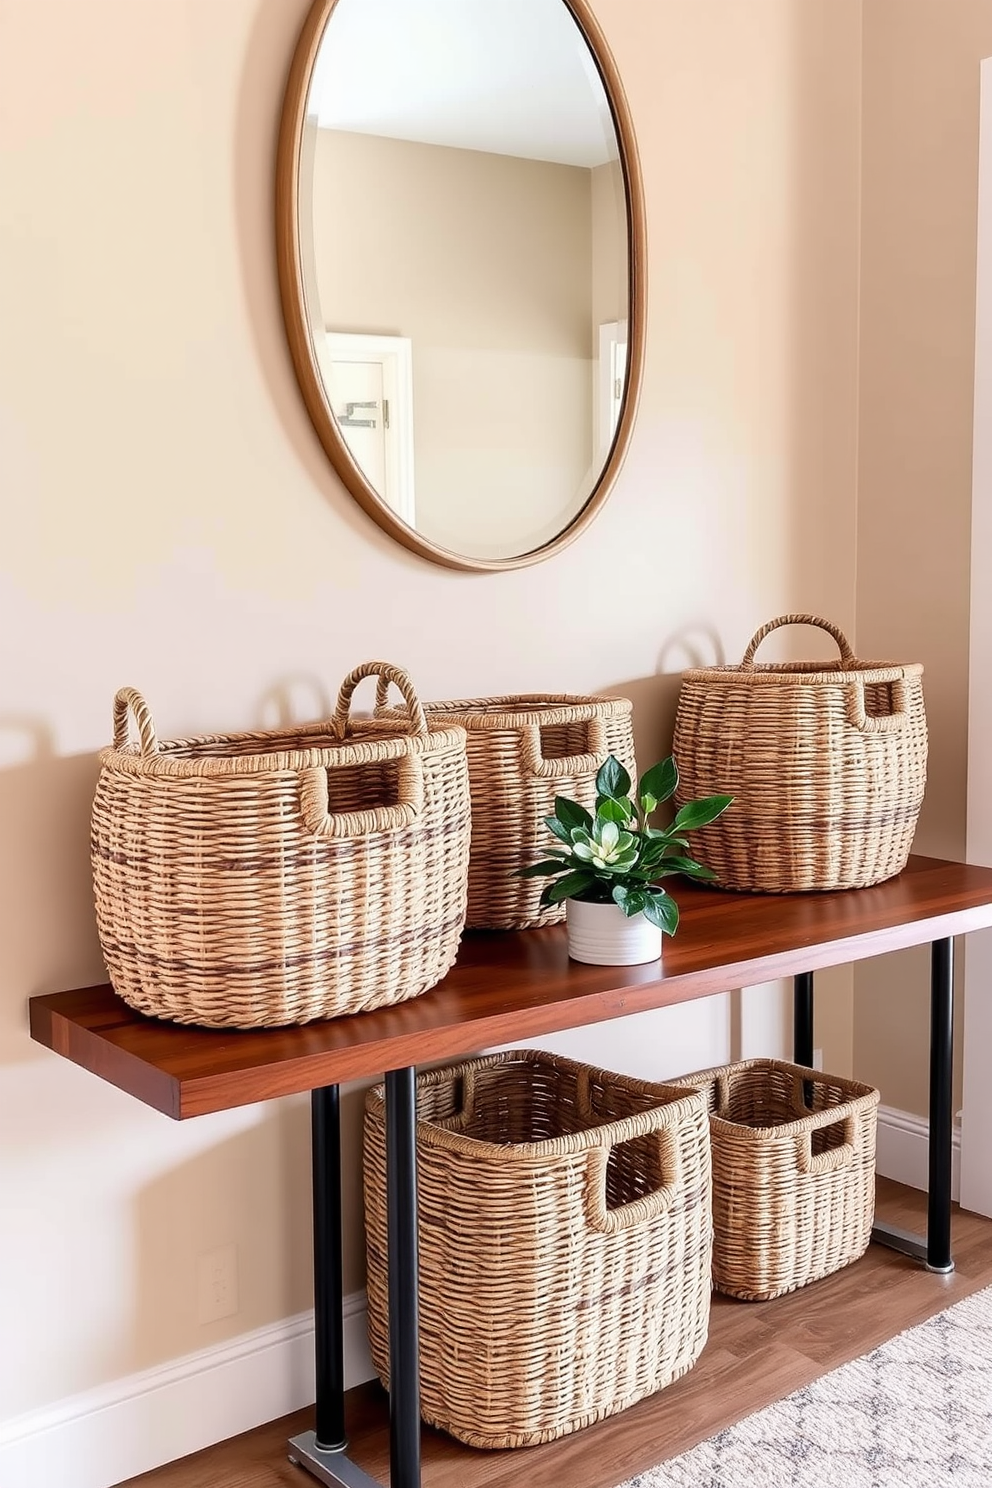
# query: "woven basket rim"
[[807, 672], [861, 1098], [368, 741], [669, 1112], [516, 710]]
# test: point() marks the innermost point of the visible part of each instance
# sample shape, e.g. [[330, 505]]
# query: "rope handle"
[[321, 822], [660, 1124], [833, 1158], [129, 700], [533, 760], [387, 673], [846, 654]]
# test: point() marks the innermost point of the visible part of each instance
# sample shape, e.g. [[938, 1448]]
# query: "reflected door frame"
[[394, 355]]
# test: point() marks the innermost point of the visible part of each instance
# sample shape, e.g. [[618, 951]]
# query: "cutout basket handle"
[[321, 822], [534, 762], [846, 654], [841, 1156], [386, 673], [636, 1211], [127, 702], [885, 723]]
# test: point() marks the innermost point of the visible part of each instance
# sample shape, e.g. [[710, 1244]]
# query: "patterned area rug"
[[915, 1413]]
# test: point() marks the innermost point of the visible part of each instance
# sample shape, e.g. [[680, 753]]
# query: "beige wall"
[[485, 262], [169, 520], [919, 223]]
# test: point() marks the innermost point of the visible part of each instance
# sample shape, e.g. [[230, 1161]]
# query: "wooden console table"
[[511, 988]]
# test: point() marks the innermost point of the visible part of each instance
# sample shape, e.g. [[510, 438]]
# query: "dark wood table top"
[[511, 987]]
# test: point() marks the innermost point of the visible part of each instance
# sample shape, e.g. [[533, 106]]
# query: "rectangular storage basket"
[[826, 762], [565, 1243], [256, 879], [523, 751], [793, 1182]]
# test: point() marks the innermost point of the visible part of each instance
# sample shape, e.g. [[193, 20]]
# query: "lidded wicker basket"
[[826, 762], [793, 1174], [565, 1243], [523, 751], [257, 879]]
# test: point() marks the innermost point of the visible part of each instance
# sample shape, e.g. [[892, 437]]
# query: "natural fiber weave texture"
[[523, 751], [793, 1183], [565, 1243], [826, 762], [257, 879]]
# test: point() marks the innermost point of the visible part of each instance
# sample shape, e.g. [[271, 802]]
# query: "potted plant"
[[610, 863]]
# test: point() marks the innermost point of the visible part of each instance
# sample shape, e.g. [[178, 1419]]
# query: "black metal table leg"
[[802, 1019], [935, 1249], [941, 1106], [401, 1212], [321, 1452]]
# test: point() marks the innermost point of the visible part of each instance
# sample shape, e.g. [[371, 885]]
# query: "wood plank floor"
[[757, 1353]]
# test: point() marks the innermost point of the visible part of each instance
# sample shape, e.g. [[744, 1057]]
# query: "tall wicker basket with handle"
[[523, 751], [565, 1243], [257, 879], [826, 762]]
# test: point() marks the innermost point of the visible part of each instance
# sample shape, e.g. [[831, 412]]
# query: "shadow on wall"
[[249, 1194], [48, 937], [655, 699]]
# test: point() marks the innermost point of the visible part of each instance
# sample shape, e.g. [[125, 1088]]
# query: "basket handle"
[[386, 673], [128, 701], [637, 1211], [886, 723], [846, 654], [321, 822], [835, 1157], [533, 760]]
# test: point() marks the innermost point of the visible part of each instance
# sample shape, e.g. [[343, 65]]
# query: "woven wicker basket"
[[565, 1243], [256, 879], [826, 762], [523, 751], [793, 1183]]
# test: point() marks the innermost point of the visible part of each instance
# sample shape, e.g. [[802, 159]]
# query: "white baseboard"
[[903, 1148], [104, 1436]]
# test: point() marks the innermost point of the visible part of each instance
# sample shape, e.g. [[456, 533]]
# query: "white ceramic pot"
[[602, 935]]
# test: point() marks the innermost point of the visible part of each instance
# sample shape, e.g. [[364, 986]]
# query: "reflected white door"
[[357, 402], [370, 385]]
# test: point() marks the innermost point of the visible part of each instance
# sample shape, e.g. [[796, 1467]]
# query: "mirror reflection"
[[464, 260]]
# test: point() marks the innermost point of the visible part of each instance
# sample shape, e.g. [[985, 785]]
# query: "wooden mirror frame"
[[290, 261]]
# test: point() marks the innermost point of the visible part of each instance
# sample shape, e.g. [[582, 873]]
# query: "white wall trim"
[[132, 1425], [903, 1149]]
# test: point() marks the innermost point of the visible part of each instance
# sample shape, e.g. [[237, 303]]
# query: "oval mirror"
[[460, 249]]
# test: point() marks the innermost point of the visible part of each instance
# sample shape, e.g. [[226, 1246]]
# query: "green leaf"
[[614, 811], [634, 902], [659, 783], [701, 813], [662, 911], [561, 832], [543, 870], [571, 814], [567, 887], [691, 868], [613, 780]]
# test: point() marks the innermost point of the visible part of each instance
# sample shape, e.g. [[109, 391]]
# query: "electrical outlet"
[[818, 1059], [217, 1284]]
